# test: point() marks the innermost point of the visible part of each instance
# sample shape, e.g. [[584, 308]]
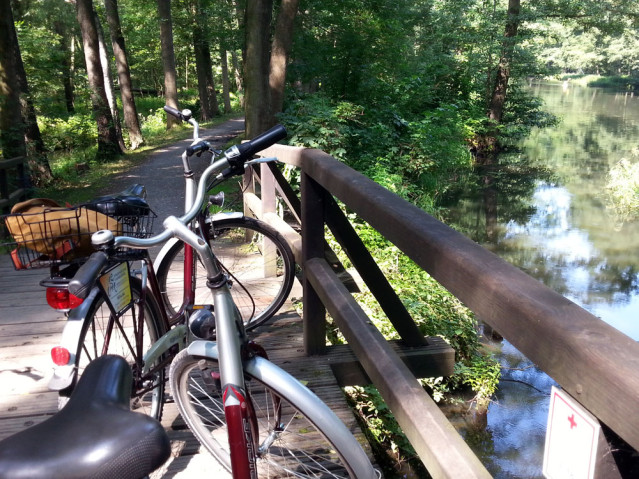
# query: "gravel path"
[[161, 172]]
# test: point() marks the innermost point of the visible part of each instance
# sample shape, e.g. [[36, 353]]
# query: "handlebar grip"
[[198, 147], [263, 141], [87, 275], [173, 111]]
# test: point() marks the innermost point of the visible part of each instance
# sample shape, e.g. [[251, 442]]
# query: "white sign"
[[116, 285], [571, 439]]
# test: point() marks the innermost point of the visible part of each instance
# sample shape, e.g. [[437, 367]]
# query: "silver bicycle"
[[254, 417]]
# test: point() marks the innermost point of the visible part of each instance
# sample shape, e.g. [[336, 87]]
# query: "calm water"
[[548, 216]]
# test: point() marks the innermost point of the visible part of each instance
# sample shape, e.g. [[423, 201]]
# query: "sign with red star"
[[572, 435]]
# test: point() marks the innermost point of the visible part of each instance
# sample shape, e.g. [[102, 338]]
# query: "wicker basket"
[[55, 235]]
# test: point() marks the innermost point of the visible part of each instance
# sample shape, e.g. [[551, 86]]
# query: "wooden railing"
[[13, 182], [593, 362]]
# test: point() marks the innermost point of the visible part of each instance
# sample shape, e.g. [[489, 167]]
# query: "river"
[[546, 212]]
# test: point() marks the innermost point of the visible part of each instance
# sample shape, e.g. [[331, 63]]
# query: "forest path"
[[162, 171]]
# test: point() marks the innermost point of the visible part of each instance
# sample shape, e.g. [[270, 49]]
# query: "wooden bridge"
[[596, 364]]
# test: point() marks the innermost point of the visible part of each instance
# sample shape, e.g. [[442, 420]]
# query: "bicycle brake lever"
[[270, 159]]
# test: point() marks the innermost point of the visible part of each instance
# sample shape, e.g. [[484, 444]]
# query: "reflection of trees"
[[596, 131], [599, 282], [497, 194]]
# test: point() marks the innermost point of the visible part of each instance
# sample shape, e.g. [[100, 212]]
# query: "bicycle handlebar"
[[184, 115], [259, 143], [85, 278], [199, 147], [83, 281]]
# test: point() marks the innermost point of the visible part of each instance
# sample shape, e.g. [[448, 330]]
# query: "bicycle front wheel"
[[290, 444], [106, 333], [260, 264]]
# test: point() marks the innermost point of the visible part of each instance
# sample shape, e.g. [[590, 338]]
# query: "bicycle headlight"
[[202, 324]]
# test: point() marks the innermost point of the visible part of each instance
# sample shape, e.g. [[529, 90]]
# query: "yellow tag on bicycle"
[[117, 287]]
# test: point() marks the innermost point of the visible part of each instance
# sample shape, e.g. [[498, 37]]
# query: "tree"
[[107, 78], [258, 16], [24, 117], [168, 59], [265, 64], [108, 145], [282, 42], [124, 74], [11, 125], [498, 98], [204, 67], [226, 84], [66, 44]]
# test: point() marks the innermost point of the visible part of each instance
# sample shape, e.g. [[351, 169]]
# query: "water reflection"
[[544, 210]]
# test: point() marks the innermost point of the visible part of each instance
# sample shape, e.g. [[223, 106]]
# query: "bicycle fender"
[[162, 254], [63, 375], [224, 216], [295, 392], [176, 335], [206, 349]]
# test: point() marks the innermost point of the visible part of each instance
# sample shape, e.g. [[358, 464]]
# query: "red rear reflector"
[[60, 298], [60, 356]]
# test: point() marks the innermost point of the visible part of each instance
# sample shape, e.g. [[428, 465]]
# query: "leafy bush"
[[72, 132]]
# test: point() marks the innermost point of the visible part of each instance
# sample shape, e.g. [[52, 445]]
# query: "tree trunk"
[[107, 78], [282, 42], [12, 128], [204, 67], [66, 45], [108, 146], [256, 66], [25, 119], [237, 74], [168, 59], [226, 89], [498, 98], [124, 74]]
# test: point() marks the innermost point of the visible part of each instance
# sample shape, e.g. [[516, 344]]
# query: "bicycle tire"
[[297, 447], [100, 323], [236, 244]]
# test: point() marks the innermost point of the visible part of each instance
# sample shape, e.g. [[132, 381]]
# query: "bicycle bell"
[[202, 324]]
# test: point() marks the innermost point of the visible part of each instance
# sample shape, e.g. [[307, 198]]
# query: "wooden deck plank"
[[29, 328]]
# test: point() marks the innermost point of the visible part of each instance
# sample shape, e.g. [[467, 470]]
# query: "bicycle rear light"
[[61, 299], [60, 356]]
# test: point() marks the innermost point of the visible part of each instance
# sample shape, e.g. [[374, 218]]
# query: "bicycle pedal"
[[211, 378]]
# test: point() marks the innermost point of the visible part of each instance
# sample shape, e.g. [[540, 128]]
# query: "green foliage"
[[390, 445], [419, 159], [622, 190], [68, 132]]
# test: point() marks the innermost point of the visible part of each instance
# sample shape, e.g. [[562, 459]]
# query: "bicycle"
[[95, 435], [257, 257], [96, 327], [248, 436]]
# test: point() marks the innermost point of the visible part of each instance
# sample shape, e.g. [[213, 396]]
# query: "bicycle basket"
[[45, 233]]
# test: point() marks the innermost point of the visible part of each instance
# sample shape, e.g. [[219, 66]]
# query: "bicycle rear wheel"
[[290, 444], [260, 264], [105, 333]]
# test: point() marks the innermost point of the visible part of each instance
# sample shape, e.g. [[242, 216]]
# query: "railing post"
[[312, 195], [267, 193]]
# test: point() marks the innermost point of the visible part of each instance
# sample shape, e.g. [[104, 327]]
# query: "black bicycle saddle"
[[129, 202], [95, 435]]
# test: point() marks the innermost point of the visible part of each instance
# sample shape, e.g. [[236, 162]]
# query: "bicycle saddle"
[[129, 202], [95, 435]]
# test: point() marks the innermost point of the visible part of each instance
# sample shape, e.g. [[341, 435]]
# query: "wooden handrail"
[[595, 363]]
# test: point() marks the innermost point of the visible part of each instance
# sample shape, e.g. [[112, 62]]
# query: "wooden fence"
[[593, 362]]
